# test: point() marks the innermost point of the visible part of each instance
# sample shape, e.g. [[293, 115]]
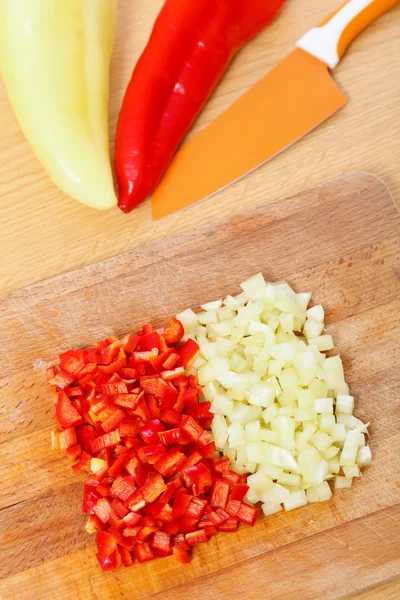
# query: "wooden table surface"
[[43, 233]]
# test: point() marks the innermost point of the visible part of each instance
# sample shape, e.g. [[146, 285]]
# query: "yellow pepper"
[[55, 58]]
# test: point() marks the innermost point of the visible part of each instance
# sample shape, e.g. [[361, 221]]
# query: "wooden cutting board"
[[339, 240]]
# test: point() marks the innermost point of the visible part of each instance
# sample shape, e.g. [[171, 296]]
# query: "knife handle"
[[330, 40]]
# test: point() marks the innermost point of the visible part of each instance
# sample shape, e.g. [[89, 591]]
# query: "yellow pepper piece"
[[55, 58]]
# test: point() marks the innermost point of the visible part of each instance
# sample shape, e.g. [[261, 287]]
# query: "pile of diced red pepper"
[[130, 414]]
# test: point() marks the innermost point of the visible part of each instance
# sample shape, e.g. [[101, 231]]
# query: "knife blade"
[[290, 101]]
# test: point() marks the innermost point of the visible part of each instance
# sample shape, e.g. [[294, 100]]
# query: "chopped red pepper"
[[66, 413], [160, 477], [247, 514], [219, 493], [239, 492], [106, 544], [174, 333], [180, 553], [162, 543], [196, 537], [188, 353], [143, 552]]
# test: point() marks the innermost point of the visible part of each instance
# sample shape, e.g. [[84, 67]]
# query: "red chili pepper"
[[189, 50]]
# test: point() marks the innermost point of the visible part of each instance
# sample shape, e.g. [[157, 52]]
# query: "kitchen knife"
[[291, 100]]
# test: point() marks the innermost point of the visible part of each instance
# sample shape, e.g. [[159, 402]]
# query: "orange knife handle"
[[330, 40]]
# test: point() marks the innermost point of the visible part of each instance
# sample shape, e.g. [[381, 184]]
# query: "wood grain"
[[340, 240], [43, 233]]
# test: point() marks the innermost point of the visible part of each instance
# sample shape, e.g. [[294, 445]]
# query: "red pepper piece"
[[208, 450], [141, 410], [149, 341], [91, 355], [201, 411], [132, 518], [247, 514], [181, 554], [128, 374], [217, 517], [118, 387], [83, 466], [74, 451], [151, 454], [50, 373], [105, 441], [172, 528], [188, 353], [132, 532], [109, 353], [219, 493], [62, 379], [116, 365], [135, 468], [113, 421], [210, 530], [149, 383], [181, 503], [67, 438], [198, 476], [239, 491], [150, 431], [188, 524], [108, 563], [188, 51], [122, 489], [153, 488], [172, 436], [127, 400], [205, 439], [230, 525], [173, 374], [119, 509], [170, 417], [130, 342], [171, 361], [71, 364], [143, 552], [232, 477], [118, 465], [174, 332], [121, 539], [73, 392], [105, 543], [196, 537], [66, 413], [161, 542], [221, 464], [158, 363], [191, 428], [232, 507], [154, 409], [144, 357], [90, 499], [196, 508], [137, 501], [103, 489], [191, 400], [126, 556], [192, 460], [170, 463], [103, 510], [129, 427], [146, 532]]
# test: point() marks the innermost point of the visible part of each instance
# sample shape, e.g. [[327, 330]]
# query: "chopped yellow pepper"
[[55, 58]]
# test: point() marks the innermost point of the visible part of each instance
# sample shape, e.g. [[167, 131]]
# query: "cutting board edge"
[[31, 289]]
